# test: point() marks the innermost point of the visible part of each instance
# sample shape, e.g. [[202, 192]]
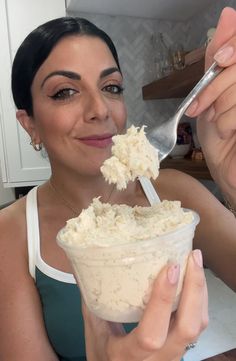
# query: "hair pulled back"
[[37, 46]]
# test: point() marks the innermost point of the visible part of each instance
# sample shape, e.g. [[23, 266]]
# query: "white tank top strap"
[[32, 229], [33, 234], [149, 190], [33, 239]]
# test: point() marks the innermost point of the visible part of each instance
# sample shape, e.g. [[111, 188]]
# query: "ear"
[[28, 123]]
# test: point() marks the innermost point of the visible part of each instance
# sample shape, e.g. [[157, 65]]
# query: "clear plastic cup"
[[116, 281]]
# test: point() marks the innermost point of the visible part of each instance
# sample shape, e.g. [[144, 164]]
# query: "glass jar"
[[162, 57], [178, 56]]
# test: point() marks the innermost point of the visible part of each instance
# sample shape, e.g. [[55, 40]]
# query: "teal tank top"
[[59, 294], [63, 318]]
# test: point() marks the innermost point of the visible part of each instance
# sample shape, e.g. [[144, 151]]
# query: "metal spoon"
[[164, 137]]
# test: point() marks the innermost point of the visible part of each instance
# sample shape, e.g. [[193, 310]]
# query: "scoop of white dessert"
[[132, 156], [103, 224]]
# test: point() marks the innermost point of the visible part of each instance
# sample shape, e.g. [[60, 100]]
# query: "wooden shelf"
[[176, 85], [196, 168]]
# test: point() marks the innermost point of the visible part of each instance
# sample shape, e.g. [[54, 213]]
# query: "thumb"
[[98, 335], [98, 325]]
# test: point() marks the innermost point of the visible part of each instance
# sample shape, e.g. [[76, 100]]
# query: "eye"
[[64, 94], [114, 89]]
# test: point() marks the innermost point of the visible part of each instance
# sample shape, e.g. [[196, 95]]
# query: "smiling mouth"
[[97, 141]]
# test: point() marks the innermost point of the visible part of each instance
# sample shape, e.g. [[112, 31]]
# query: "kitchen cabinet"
[[176, 85], [20, 164]]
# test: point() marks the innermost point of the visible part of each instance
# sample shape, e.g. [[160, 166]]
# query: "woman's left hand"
[[161, 335], [216, 107]]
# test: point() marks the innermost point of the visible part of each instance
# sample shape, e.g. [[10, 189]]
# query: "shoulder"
[[13, 229], [175, 185], [174, 182], [19, 296], [168, 173], [13, 216]]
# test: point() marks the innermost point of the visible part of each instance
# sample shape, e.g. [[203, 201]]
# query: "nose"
[[96, 107]]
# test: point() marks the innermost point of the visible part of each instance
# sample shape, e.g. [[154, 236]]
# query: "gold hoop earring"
[[36, 147]]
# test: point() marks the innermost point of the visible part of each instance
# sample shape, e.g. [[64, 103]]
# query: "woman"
[[67, 86]]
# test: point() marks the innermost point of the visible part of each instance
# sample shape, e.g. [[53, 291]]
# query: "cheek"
[[120, 116], [51, 120]]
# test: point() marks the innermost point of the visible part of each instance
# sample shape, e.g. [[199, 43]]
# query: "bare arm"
[[22, 331], [216, 232]]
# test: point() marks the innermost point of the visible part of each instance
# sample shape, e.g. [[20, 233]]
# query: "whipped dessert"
[[116, 250], [106, 225], [132, 156]]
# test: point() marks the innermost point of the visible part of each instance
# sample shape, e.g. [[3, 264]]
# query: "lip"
[[97, 140]]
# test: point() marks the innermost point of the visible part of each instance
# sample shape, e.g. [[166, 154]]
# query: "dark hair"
[[36, 48]]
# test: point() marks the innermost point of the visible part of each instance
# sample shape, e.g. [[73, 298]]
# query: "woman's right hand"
[[160, 335], [215, 108]]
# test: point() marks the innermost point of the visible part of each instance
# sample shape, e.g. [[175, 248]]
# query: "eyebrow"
[[109, 71], [76, 76], [66, 73]]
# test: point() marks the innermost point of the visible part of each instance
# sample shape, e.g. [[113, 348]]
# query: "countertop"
[[226, 356], [220, 335]]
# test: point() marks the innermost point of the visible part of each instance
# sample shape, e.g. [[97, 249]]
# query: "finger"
[[153, 327], [226, 100], [222, 48], [98, 334], [153, 334], [94, 330], [226, 125], [223, 104], [205, 313], [192, 296], [191, 316], [98, 325], [225, 81], [210, 140], [225, 30]]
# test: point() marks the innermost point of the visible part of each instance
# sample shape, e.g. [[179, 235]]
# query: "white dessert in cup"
[[116, 250]]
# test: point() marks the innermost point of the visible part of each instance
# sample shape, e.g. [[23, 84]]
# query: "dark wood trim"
[[196, 168], [176, 85]]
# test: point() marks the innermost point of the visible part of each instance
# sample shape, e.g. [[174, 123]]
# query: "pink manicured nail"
[[224, 54], [192, 108], [173, 273], [197, 256]]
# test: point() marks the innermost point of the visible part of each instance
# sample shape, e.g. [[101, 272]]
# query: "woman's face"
[[78, 103]]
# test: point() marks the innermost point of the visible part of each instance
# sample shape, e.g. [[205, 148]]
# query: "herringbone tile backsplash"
[[133, 39]]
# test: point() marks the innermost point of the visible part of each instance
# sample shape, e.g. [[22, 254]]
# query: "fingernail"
[[197, 256], [192, 108], [224, 54], [210, 114], [173, 273]]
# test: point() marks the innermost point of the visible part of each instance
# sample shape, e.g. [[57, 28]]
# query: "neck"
[[78, 194]]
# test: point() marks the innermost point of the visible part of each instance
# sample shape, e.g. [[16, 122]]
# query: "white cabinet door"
[[20, 164]]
